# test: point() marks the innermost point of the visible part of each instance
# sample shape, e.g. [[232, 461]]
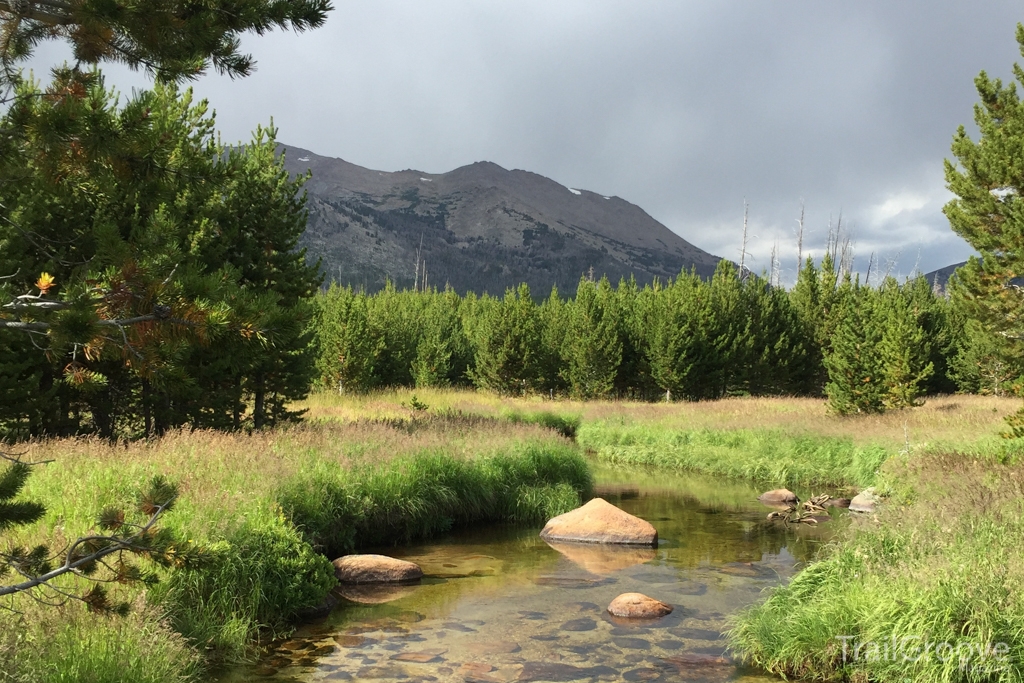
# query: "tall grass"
[[430, 492], [769, 457], [69, 645], [267, 506], [945, 567]]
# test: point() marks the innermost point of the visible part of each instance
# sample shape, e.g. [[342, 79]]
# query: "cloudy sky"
[[685, 108]]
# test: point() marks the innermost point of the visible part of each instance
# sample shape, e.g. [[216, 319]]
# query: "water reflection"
[[500, 605]]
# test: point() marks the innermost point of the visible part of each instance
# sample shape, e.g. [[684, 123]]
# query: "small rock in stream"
[[584, 624]]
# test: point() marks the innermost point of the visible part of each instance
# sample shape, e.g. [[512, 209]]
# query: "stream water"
[[499, 604]]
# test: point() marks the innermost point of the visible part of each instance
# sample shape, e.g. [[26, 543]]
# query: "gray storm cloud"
[[685, 108]]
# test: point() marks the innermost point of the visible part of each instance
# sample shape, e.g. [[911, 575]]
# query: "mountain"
[[941, 276], [481, 227]]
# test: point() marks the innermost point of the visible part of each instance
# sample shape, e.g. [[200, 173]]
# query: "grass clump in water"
[[934, 591]]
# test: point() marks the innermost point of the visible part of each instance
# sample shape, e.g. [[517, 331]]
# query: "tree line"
[[868, 348]]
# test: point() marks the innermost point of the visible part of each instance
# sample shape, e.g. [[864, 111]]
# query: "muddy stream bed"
[[498, 604]]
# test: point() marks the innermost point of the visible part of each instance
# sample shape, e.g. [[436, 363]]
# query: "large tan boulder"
[[600, 522], [638, 606], [375, 569], [779, 498]]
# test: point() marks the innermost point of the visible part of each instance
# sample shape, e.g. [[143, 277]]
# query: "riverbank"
[[269, 509], [930, 589], [773, 442]]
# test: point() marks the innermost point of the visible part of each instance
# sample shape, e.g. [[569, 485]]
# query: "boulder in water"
[[375, 569], [865, 501], [600, 522], [638, 606], [779, 498]]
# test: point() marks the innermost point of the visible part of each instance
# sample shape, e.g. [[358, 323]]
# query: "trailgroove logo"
[[987, 656]]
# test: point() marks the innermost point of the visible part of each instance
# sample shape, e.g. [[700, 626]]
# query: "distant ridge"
[[482, 228], [941, 276]]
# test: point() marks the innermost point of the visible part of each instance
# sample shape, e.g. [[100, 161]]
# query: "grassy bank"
[[943, 564], [771, 441], [270, 509], [770, 457]]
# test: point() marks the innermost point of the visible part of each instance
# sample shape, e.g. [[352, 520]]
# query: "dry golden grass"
[[942, 420]]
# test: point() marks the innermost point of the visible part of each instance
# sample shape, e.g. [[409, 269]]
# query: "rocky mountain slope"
[[478, 228]]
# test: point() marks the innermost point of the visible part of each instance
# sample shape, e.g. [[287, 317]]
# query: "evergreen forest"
[[867, 347]]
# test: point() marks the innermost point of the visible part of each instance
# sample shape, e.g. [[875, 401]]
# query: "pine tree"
[[987, 180], [173, 39], [634, 377], [810, 310], [903, 352], [681, 348], [552, 317], [442, 343], [348, 348], [592, 349], [854, 368], [507, 344]]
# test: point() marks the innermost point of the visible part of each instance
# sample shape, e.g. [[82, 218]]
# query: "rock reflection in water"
[[598, 558], [373, 593], [499, 605]]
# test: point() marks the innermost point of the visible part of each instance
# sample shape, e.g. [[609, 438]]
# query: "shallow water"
[[500, 605]]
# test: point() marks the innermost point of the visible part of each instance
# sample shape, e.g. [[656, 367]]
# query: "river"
[[498, 604]]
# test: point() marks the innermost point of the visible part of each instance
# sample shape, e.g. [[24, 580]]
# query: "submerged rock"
[[779, 498], [865, 501], [584, 624], [838, 503], [375, 569], [422, 657], [638, 606], [318, 611], [544, 671], [600, 522], [702, 667]]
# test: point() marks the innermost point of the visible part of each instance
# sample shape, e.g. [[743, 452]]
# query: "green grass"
[[944, 563], [431, 492], [566, 425], [271, 509], [768, 457], [69, 645]]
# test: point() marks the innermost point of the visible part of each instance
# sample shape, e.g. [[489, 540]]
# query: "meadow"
[[270, 508]]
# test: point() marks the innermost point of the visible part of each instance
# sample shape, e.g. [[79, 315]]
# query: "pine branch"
[[75, 563]]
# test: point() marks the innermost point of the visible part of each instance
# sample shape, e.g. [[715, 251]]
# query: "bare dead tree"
[[416, 276], [890, 263], [743, 244], [800, 240], [871, 261], [774, 279]]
